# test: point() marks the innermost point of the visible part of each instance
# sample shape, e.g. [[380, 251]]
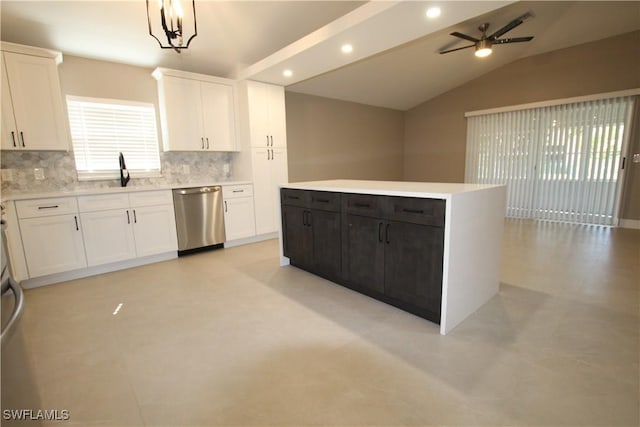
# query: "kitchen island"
[[432, 249]]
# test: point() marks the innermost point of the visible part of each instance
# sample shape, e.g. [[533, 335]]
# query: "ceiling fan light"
[[483, 48]]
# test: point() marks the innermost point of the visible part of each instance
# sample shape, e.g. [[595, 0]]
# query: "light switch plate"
[[636, 158], [38, 174]]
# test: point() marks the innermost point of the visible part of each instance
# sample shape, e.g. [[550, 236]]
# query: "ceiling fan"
[[484, 43]]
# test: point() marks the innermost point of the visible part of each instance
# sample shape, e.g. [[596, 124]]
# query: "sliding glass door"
[[561, 162]]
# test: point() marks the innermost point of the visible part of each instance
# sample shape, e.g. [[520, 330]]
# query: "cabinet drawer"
[[103, 202], [325, 200], [235, 191], [295, 197], [46, 207], [415, 210], [363, 204], [150, 198]]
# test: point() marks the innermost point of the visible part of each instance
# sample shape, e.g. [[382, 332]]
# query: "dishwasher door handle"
[[198, 190], [8, 330]]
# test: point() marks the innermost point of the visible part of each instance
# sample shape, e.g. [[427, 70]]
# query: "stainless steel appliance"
[[18, 388], [199, 218]]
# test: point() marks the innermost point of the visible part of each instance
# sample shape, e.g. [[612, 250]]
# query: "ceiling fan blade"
[[513, 40], [510, 26], [459, 48], [464, 36]]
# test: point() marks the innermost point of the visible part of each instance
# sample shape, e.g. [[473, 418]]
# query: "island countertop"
[[431, 190], [473, 227]]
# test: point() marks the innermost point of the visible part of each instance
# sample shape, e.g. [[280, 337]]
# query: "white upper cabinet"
[[267, 116], [197, 112], [33, 115]]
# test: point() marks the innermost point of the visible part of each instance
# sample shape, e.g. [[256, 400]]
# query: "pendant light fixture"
[[171, 22]]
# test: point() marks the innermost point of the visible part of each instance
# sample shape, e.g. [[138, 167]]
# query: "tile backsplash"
[[60, 174]]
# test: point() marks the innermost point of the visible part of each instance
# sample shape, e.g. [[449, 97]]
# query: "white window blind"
[[559, 162], [102, 128]]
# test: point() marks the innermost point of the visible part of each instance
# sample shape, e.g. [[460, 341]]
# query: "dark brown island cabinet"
[[432, 249], [390, 248]]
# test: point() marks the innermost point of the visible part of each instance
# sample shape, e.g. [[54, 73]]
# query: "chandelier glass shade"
[[172, 23]]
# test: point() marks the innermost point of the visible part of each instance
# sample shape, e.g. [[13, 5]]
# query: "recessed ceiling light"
[[346, 48], [433, 12], [287, 73]]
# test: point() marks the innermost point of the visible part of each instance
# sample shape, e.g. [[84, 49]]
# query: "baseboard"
[[252, 239], [94, 271], [630, 223]]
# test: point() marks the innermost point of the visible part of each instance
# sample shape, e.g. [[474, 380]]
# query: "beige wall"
[[331, 139], [101, 79], [435, 132]]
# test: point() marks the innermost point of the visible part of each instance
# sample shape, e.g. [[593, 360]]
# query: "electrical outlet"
[[185, 169], [38, 174], [226, 169], [7, 175], [636, 158]]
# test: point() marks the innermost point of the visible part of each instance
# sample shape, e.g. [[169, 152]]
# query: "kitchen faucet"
[[124, 179]]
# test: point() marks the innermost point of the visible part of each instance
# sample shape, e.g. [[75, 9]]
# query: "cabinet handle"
[[309, 218], [225, 206], [268, 155], [238, 191], [387, 234], [267, 140], [207, 143], [321, 200], [128, 218], [272, 140], [272, 156], [48, 207], [293, 197], [13, 138], [362, 205], [379, 232], [135, 218], [304, 218], [22, 138], [413, 211], [75, 218], [202, 142]]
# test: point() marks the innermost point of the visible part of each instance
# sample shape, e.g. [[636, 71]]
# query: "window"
[[102, 128], [560, 162]]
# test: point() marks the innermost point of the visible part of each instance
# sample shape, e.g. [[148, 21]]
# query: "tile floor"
[[230, 338]]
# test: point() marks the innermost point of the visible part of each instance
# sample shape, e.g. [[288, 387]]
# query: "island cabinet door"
[[364, 249], [297, 235], [325, 227], [413, 265]]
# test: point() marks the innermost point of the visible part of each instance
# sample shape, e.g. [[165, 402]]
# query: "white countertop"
[[109, 190], [431, 190]]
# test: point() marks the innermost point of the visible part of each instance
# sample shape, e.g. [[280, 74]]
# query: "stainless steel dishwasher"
[[199, 218]]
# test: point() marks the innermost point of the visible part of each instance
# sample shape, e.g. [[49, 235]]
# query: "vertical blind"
[[102, 128], [559, 162]]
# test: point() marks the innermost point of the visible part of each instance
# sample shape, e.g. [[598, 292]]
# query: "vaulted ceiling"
[[395, 61]]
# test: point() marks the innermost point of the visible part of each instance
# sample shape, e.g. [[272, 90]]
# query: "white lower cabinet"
[[269, 170], [154, 229], [119, 227], [108, 236], [239, 213], [51, 235]]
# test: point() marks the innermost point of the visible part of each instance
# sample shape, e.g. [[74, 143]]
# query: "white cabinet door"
[[37, 102], [269, 170], [52, 244], [239, 218], [154, 229], [277, 116], [218, 117], [9, 130], [267, 116], [181, 106], [262, 191], [108, 236]]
